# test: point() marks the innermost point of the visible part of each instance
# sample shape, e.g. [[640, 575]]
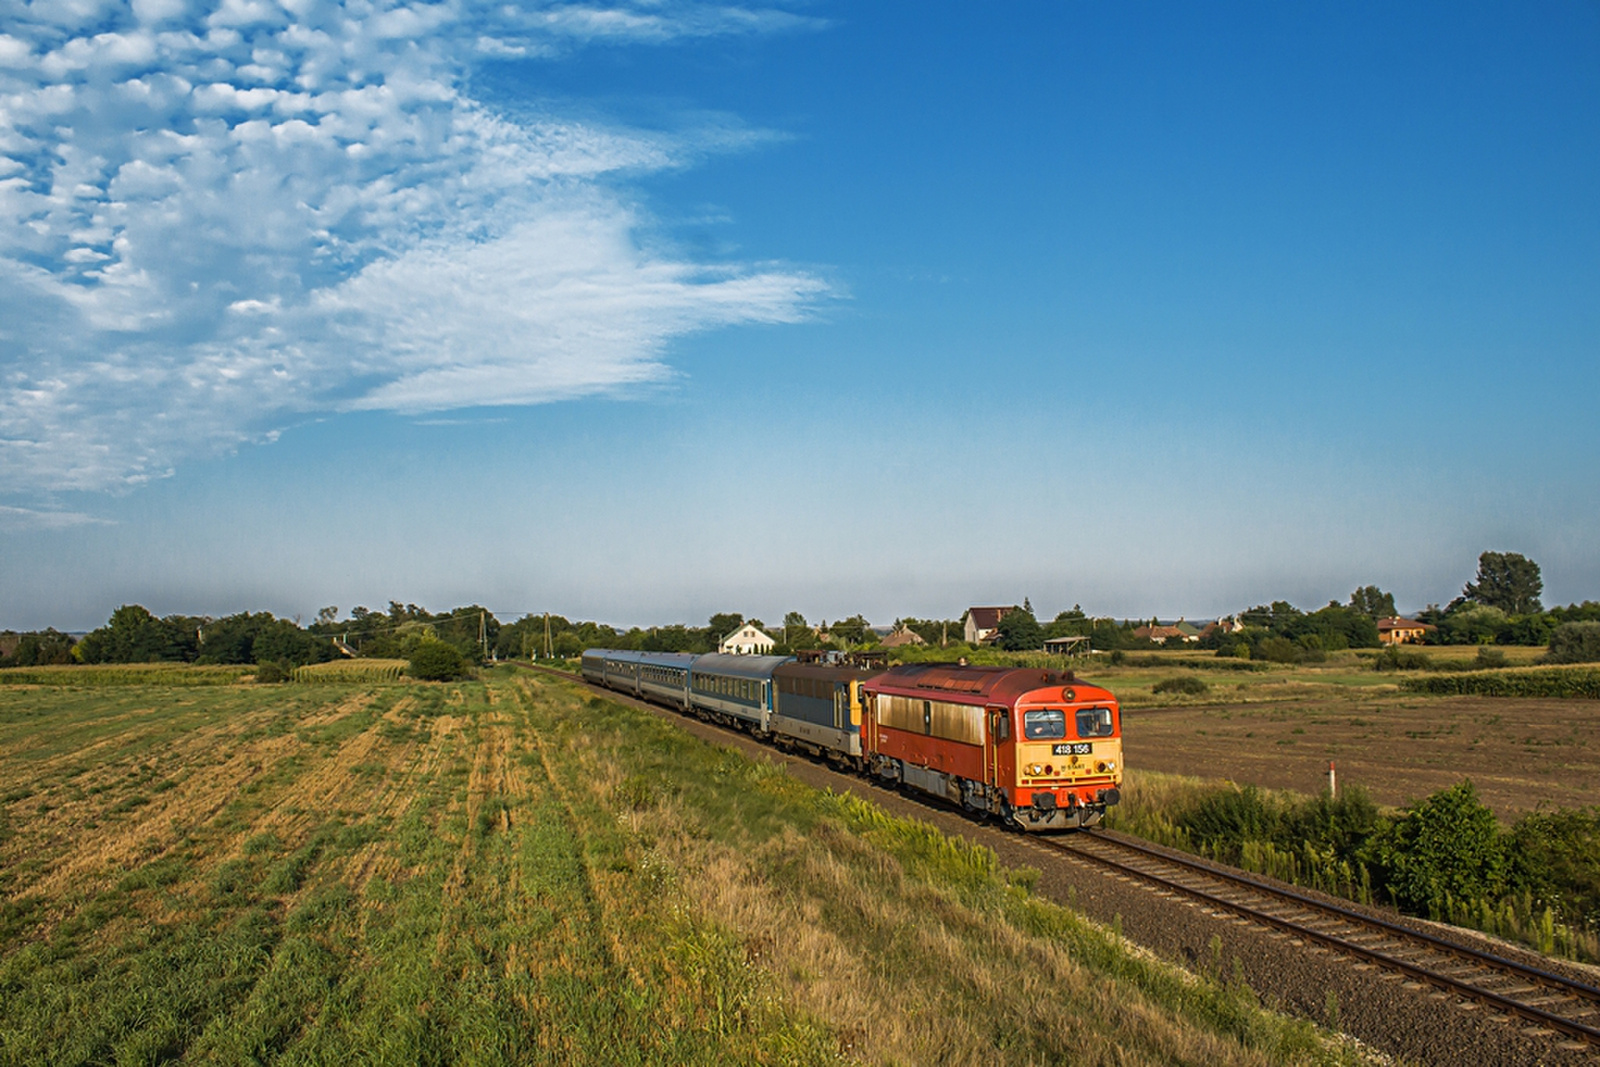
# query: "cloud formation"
[[216, 215]]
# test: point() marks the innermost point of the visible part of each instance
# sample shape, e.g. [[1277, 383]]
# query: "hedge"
[[1535, 683]]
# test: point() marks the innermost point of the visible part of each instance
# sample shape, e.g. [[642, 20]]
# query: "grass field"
[[508, 870]]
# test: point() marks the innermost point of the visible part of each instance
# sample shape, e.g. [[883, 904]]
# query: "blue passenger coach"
[[735, 689], [664, 676]]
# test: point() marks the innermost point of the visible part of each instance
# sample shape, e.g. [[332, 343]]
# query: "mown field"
[[509, 870]]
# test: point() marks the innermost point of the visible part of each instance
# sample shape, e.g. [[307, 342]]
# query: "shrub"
[[1575, 642], [271, 673], [1186, 684], [1443, 849], [1490, 658], [1395, 658], [436, 661]]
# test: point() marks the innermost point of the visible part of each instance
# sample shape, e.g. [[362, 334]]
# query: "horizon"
[[649, 309]]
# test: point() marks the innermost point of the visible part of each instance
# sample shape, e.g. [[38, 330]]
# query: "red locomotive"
[[1037, 748]]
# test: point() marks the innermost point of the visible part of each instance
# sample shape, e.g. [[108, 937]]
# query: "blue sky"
[[643, 311]]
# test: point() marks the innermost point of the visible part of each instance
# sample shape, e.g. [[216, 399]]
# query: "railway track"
[[1514, 990]]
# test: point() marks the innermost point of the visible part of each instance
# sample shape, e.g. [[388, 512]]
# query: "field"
[[1279, 727], [509, 870]]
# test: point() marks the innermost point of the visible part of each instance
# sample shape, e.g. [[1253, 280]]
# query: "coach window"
[[1094, 722], [1046, 724]]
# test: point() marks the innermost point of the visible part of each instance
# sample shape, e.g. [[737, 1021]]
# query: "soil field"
[[1518, 753]]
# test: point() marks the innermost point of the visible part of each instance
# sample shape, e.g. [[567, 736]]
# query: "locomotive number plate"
[[1081, 748]]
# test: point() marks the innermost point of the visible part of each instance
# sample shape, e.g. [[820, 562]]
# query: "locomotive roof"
[[986, 683], [738, 666]]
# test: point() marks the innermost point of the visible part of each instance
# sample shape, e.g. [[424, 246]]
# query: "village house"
[[1394, 630], [746, 641], [900, 637], [983, 624]]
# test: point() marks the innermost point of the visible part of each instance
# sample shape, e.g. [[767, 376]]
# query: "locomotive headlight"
[[1035, 770]]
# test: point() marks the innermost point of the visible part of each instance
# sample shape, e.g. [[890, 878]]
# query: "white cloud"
[[14, 519], [215, 218]]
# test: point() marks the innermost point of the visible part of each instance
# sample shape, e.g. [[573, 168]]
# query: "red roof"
[[1395, 622]]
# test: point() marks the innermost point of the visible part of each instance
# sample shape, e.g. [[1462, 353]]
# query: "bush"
[[1575, 642], [1186, 684], [1444, 849], [436, 661], [271, 672], [1395, 658], [1490, 658]]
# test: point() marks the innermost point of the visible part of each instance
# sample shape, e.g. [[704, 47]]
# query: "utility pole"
[[547, 650]]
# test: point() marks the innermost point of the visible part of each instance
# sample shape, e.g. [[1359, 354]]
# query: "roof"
[[903, 637], [1159, 633], [986, 618], [627, 655], [760, 667], [1395, 622], [986, 684], [751, 630]]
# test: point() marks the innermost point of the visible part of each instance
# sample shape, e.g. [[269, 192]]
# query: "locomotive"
[[1037, 749]]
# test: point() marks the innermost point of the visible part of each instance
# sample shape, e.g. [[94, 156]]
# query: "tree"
[[1374, 602], [1575, 642], [1509, 581], [1020, 631], [852, 631], [722, 624]]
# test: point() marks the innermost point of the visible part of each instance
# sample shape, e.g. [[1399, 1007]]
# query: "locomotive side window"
[[1094, 722], [1044, 724]]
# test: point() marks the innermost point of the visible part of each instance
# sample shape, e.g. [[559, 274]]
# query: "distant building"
[[1228, 624], [983, 624], [746, 641], [900, 637], [1071, 645], [1159, 634], [1397, 631]]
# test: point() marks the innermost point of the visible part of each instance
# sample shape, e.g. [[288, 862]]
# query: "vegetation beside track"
[[508, 870], [1443, 857]]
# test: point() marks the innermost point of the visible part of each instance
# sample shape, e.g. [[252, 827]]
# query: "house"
[[901, 636], [983, 624], [1159, 634], [1228, 624], [1397, 631], [1071, 645], [746, 641]]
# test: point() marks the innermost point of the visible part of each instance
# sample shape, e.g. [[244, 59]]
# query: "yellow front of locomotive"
[[1068, 767]]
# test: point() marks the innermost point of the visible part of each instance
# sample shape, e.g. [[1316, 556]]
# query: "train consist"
[[1037, 749]]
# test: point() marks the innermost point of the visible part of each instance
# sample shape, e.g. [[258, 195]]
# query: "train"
[[1037, 749]]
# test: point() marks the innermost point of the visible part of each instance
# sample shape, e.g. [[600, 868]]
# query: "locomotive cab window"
[[1094, 722], [1044, 724]]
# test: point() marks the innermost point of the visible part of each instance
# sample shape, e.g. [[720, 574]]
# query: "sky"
[[641, 311]]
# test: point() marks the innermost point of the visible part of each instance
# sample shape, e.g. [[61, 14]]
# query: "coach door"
[[991, 745]]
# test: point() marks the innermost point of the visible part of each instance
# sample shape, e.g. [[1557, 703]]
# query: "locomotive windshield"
[[1094, 722], [1044, 725]]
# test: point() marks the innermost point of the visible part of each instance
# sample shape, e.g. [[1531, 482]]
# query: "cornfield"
[[125, 674], [352, 670]]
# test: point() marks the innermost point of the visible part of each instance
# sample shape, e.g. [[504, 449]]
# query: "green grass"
[[161, 674], [510, 871]]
